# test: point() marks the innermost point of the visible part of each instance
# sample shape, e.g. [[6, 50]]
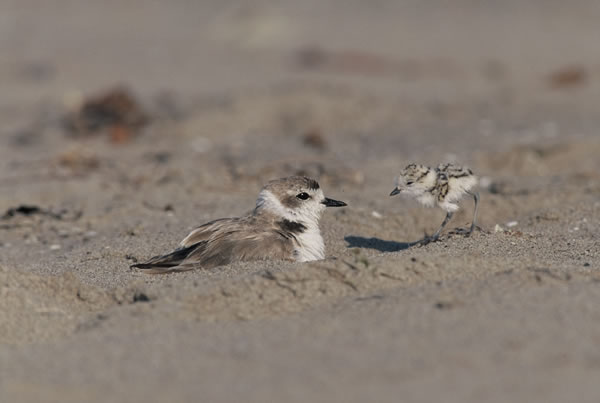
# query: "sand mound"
[[38, 308]]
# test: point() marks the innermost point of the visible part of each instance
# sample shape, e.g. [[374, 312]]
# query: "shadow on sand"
[[376, 243]]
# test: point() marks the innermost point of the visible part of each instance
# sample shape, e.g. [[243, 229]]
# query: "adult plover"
[[443, 186], [284, 225]]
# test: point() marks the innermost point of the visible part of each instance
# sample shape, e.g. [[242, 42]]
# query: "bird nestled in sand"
[[443, 186], [284, 225]]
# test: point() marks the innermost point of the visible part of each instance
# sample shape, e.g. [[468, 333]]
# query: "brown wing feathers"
[[169, 260]]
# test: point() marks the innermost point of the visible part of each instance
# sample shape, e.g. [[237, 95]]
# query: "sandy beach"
[[126, 124]]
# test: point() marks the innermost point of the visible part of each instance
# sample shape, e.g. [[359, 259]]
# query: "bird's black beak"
[[333, 203], [395, 191]]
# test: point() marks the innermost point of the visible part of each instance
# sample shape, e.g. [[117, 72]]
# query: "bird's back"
[[453, 182], [224, 241]]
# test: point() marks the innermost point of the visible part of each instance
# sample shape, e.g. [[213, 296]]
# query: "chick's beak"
[[333, 203], [395, 191]]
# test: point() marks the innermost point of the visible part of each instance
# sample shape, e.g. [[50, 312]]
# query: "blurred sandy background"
[[125, 124]]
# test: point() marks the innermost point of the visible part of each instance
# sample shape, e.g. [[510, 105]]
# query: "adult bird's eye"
[[302, 196]]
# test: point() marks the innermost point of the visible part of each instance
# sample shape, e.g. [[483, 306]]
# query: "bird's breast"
[[310, 246]]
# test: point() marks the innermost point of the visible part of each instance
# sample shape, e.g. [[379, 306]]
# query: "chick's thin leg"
[[435, 236], [473, 224]]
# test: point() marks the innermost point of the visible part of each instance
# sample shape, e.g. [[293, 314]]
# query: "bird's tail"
[[171, 262]]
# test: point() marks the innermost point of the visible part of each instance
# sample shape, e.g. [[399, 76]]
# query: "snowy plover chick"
[[283, 226], [443, 186]]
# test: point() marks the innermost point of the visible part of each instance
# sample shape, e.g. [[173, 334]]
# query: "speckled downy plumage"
[[442, 186]]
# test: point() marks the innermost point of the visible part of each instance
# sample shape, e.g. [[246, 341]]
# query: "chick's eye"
[[302, 196], [409, 183]]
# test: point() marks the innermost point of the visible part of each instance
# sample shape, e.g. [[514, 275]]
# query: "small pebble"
[[376, 214], [55, 247], [511, 224]]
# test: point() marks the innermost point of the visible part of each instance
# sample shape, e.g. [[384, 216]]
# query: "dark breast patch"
[[293, 227]]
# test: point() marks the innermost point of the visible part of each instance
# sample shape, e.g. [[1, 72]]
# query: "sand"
[[347, 92]]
